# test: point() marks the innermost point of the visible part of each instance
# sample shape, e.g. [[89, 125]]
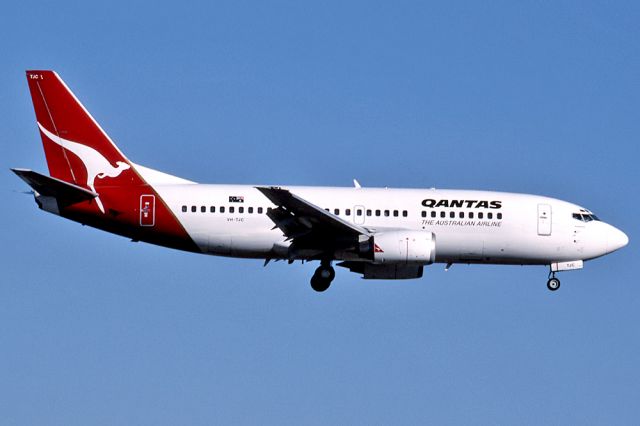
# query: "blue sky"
[[536, 97]]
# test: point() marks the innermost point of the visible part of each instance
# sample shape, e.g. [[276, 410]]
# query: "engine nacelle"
[[389, 271], [404, 247], [384, 271]]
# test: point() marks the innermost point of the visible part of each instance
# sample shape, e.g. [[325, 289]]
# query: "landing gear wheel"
[[553, 284], [319, 285], [322, 278]]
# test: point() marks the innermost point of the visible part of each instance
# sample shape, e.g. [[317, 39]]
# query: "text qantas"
[[469, 204]]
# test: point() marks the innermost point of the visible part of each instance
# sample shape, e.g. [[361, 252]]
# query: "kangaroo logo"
[[94, 162]]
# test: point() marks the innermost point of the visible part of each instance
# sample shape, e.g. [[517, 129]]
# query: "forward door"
[[544, 219]]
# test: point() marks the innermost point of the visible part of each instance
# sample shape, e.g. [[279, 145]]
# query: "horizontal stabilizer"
[[65, 193]]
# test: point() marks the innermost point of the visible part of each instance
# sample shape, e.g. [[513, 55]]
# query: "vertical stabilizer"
[[77, 149]]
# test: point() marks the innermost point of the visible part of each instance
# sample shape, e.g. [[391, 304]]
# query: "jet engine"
[[403, 247]]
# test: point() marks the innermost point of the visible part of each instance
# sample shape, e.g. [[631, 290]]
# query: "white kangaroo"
[[95, 163]]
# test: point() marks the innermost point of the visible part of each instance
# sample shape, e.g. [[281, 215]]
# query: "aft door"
[[544, 219], [147, 210]]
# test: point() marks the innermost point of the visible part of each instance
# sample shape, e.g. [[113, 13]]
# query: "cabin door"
[[147, 210], [358, 215], [544, 219]]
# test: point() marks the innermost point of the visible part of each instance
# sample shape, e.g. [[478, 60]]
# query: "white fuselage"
[[379, 233], [525, 229]]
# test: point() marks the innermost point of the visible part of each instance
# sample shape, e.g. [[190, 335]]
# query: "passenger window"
[[433, 213], [386, 213], [203, 209], [336, 212], [212, 209], [499, 215], [259, 210], [240, 209], [489, 215], [193, 209], [347, 212], [232, 209], [443, 214], [424, 214], [222, 209], [359, 212], [377, 212], [395, 213], [480, 215], [471, 215], [250, 210], [184, 209], [368, 212], [461, 215], [452, 215]]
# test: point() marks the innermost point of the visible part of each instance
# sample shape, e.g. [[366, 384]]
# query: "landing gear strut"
[[553, 284], [321, 279]]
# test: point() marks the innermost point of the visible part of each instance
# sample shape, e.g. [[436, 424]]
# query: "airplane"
[[379, 233]]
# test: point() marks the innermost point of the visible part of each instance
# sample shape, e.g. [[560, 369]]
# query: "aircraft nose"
[[616, 239]]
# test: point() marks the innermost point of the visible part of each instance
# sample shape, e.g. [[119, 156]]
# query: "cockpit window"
[[585, 217]]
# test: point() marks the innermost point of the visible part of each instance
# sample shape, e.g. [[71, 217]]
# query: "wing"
[[310, 227]]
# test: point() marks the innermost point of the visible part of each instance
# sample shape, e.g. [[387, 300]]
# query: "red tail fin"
[[77, 149], [80, 153]]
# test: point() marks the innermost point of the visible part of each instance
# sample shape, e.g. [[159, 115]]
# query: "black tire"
[[319, 284], [325, 273], [553, 284], [322, 278]]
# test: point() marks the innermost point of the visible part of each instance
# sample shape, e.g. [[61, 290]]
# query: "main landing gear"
[[553, 284], [321, 279]]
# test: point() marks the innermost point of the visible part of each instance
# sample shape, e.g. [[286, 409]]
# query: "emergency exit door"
[[544, 219], [358, 215], [147, 210]]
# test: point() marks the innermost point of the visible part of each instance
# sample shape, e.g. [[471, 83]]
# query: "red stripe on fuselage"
[[122, 217]]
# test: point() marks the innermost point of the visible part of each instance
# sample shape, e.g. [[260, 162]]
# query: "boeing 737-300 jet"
[[379, 233]]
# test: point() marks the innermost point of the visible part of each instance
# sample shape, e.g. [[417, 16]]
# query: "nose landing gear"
[[553, 284], [321, 279]]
